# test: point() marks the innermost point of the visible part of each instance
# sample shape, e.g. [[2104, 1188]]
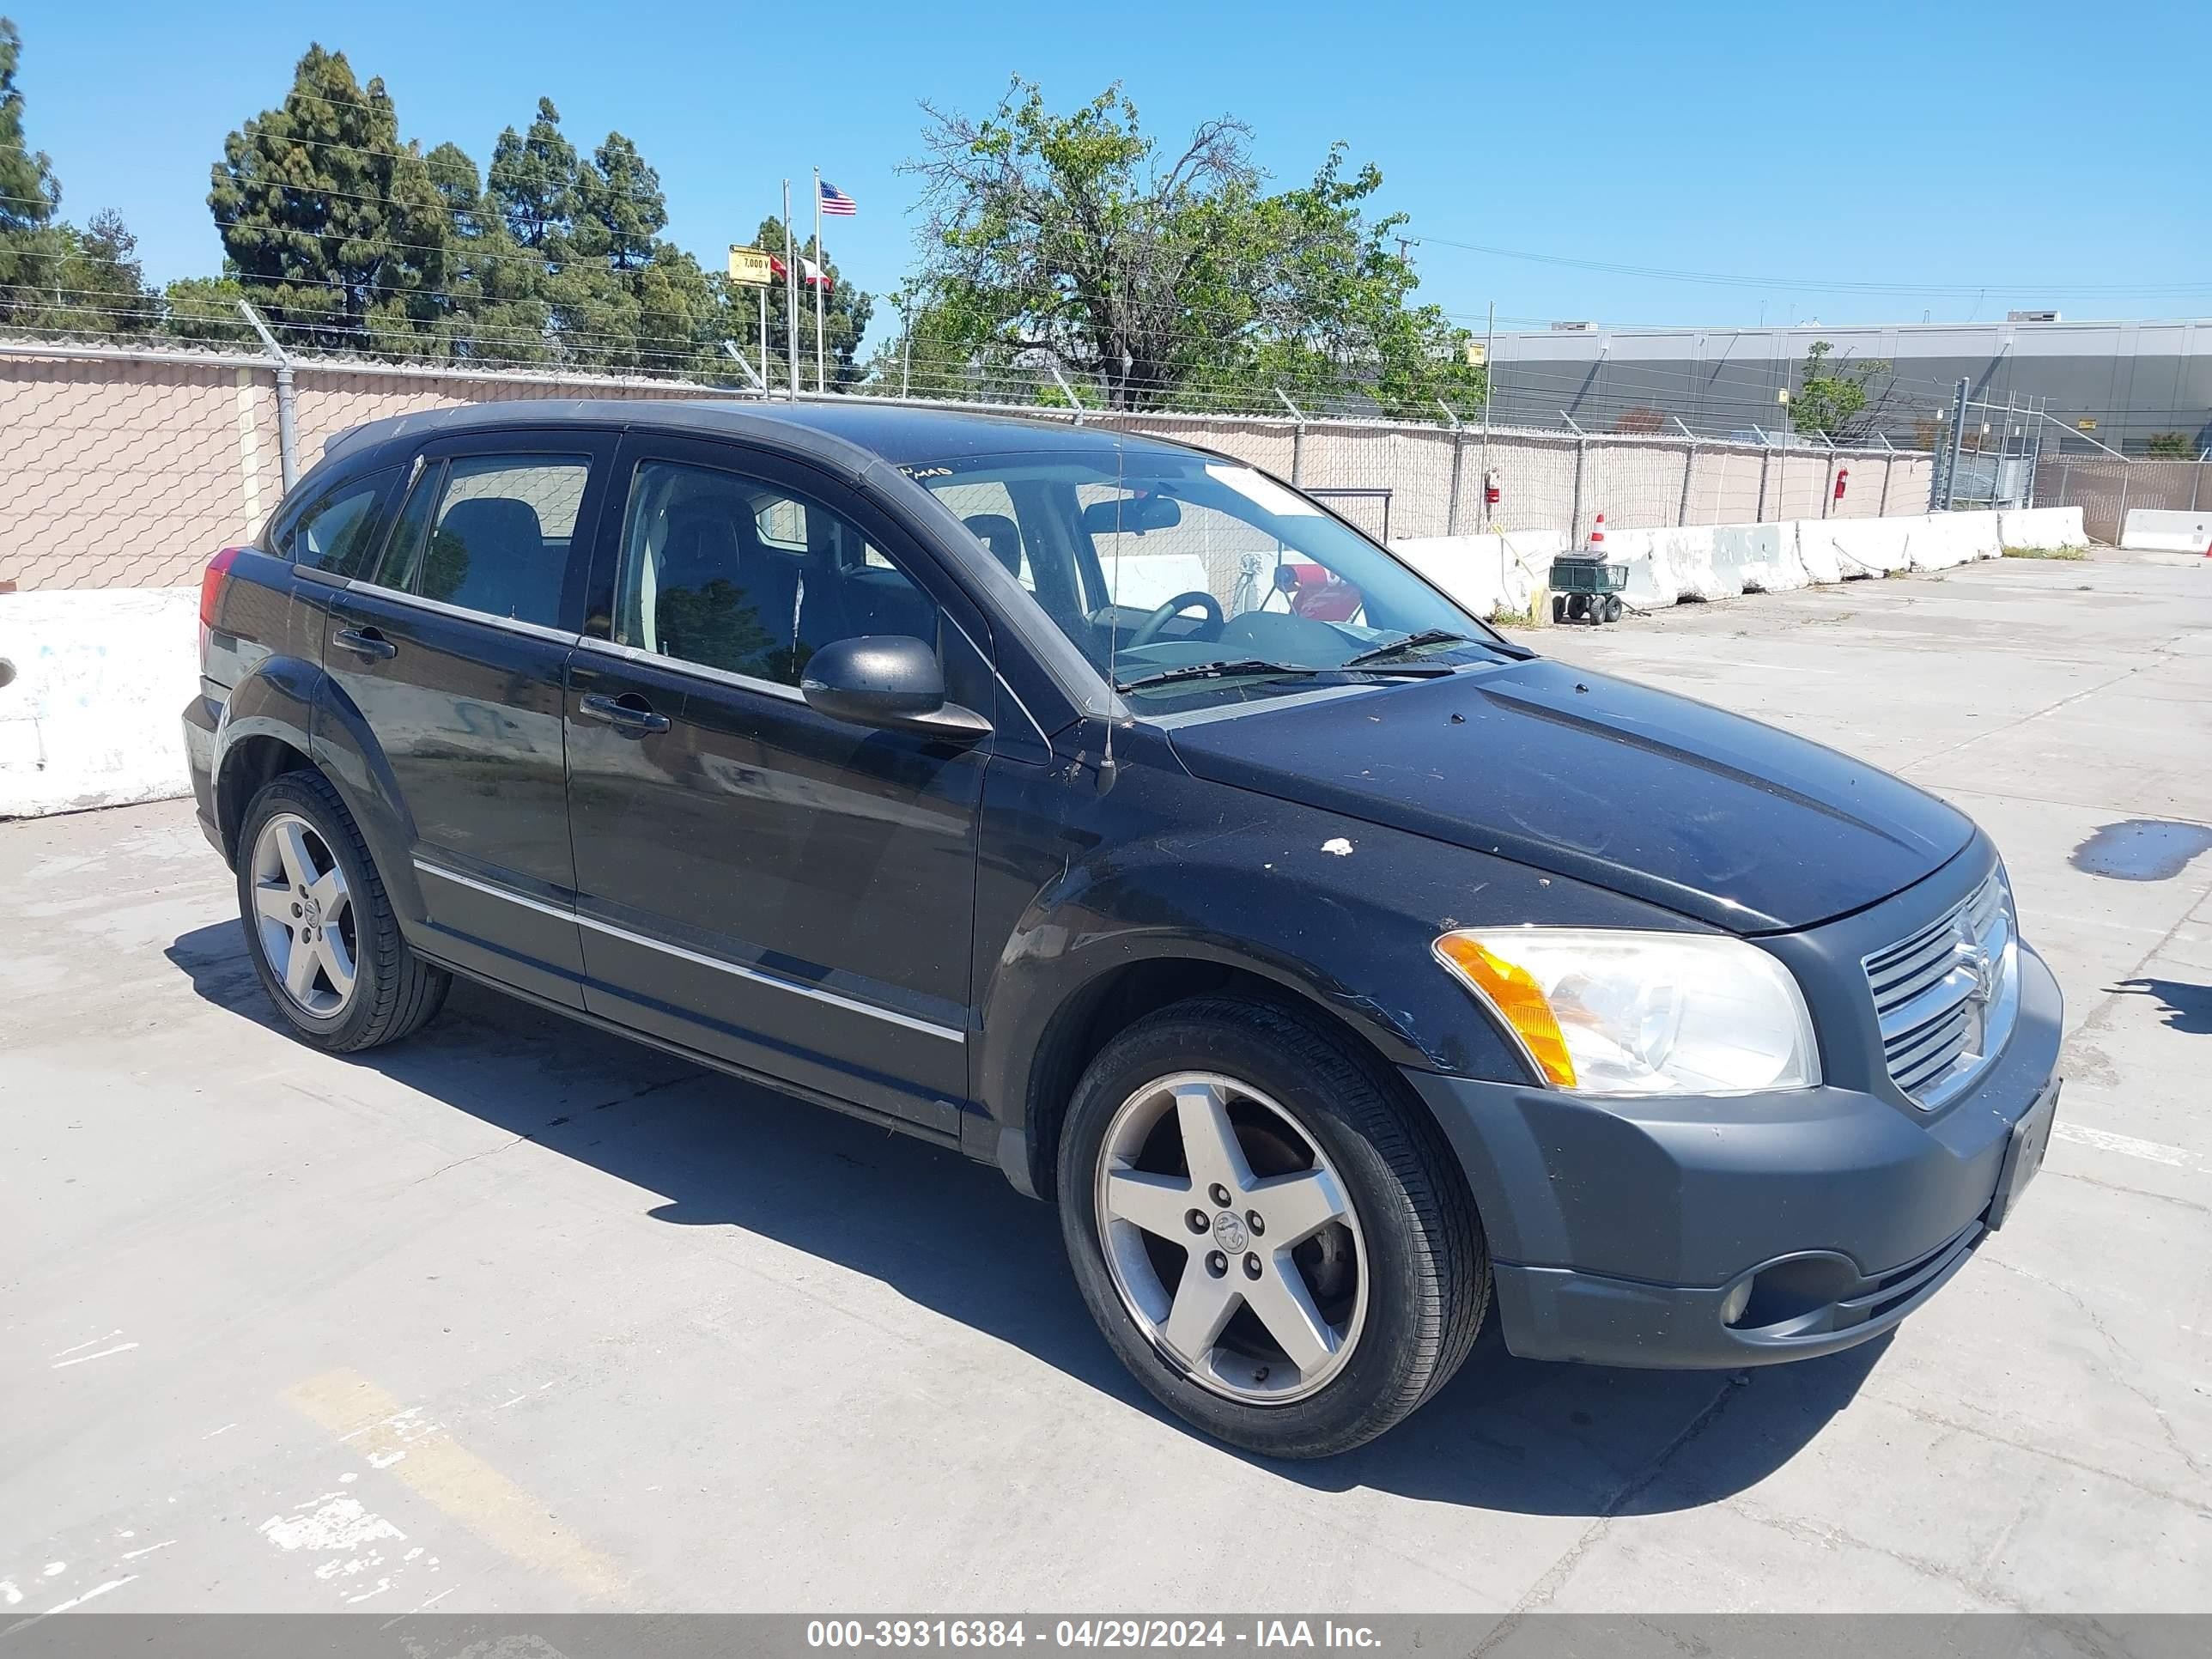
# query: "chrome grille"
[[1947, 995]]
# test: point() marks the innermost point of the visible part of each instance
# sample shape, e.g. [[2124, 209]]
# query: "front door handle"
[[629, 714], [367, 642]]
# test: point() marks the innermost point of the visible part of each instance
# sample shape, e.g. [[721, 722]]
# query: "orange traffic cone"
[[1597, 534]]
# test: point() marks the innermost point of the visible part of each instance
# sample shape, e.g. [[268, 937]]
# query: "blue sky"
[[1918, 151]]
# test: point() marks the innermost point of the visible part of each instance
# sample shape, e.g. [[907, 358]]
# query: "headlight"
[[1619, 1013]]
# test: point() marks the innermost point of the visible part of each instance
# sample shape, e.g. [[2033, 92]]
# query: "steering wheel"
[[1149, 629]]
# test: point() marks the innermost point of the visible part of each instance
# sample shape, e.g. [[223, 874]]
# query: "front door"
[[453, 650], [755, 880]]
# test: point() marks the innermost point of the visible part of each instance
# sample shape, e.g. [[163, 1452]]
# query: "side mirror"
[[888, 681]]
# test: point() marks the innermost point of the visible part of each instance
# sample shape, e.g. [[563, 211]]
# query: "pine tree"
[[333, 226], [496, 311], [534, 179], [622, 195]]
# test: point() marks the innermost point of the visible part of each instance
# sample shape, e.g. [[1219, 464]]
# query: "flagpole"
[[821, 275], [790, 292]]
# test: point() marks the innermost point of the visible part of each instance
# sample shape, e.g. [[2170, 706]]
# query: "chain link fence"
[[127, 467], [2106, 488]]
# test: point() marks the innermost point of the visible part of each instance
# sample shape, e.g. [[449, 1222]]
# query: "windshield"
[[1159, 567]]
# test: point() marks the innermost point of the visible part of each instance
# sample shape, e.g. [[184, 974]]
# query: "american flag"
[[835, 202]]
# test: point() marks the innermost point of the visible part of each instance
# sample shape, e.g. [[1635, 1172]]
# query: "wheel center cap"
[[312, 909], [1229, 1233]]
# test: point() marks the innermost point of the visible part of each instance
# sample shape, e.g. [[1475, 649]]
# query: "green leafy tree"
[[1833, 399], [944, 350], [204, 311], [2169, 446], [334, 226], [1164, 279]]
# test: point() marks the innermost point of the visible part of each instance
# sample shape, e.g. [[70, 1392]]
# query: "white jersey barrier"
[[2155, 530], [1717, 561], [91, 716], [2041, 527]]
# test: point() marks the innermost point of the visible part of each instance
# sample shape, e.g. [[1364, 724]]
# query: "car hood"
[[1600, 779]]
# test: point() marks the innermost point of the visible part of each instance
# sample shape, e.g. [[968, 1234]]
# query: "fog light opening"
[[1734, 1304]]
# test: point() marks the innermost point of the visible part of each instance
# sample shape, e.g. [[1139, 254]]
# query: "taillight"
[[211, 581]]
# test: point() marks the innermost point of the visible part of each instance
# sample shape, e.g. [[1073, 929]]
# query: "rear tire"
[[1366, 1256], [320, 926]]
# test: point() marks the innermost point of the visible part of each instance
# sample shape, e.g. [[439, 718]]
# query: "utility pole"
[[906, 347]]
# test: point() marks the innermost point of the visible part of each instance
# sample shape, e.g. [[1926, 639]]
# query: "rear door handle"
[[366, 641], [629, 714]]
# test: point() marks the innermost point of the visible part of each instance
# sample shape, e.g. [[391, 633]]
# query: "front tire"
[[1271, 1238], [318, 925]]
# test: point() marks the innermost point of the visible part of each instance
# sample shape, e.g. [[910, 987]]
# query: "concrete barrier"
[[1839, 550], [2041, 527], [1485, 574], [2157, 530], [100, 678], [1953, 538], [1760, 558]]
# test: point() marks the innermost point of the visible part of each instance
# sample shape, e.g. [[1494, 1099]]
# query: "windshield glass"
[[1159, 566]]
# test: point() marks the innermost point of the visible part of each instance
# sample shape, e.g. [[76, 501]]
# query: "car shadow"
[[950, 1234]]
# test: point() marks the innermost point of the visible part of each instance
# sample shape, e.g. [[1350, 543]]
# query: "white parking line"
[[63, 1365], [2152, 1151]]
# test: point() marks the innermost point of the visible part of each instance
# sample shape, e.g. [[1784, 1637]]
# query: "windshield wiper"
[[1212, 670], [1411, 642]]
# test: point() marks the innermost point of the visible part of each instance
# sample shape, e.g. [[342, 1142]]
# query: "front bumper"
[[1617, 1229]]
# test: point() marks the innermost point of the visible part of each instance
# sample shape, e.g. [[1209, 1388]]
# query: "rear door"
[[453, 651], [757, 880]]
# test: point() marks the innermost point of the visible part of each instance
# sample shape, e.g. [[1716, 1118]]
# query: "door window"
[[337, 530], [737, 573], [491, 534]]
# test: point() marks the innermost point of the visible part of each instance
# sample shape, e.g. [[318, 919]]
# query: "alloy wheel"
[[1233, 1243], [304, 911]]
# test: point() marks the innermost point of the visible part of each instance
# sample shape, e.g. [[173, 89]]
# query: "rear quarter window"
[[337, 530]]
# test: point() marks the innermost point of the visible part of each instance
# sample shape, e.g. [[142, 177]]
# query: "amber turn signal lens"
[[1519, 1000]]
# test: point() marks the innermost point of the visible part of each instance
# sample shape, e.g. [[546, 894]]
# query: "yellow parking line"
[[428, 1460]]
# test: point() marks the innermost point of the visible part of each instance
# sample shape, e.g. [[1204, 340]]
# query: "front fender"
[[1337, 914]]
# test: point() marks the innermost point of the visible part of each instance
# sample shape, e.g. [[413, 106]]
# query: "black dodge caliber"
[[1111, 810]]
